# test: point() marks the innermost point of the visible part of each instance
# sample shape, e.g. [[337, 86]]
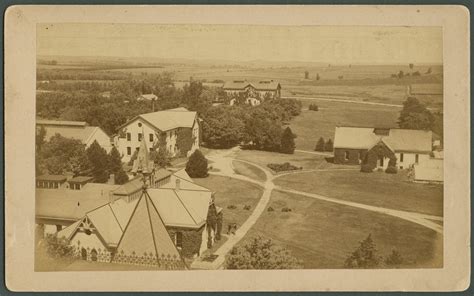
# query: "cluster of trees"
[[86, 103], [365, 256], [62, 155], [259, 127], [322, 146], [261, 253], [415, 115], [74, 74]]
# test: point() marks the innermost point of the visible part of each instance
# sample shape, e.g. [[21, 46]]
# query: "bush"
[[288, 141], [313, 107], [286, 210], [391, 170], [58, 247], [247, 207], [281, 167], [366, 168], [231, 207], [365, 256], [329, 146], [270, 209], [261, 253], [320, 145], [394, 259], [197, 165]]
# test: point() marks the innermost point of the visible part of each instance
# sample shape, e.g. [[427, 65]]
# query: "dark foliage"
[[329, 146], [320, 146], [288, 141], [98, 162], [281, 167], [196, 167], [365, 256]]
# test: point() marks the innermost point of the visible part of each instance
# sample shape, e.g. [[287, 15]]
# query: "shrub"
[[247, 207], [394, 259], [261, 253], [288, 141], [391, 170], [313, 107], [286, 210], [58, 247], [270, 209], [231, 207], [197, 165], [365, 256], [366, 168], [329, 146], [281, 167], [320, 145]]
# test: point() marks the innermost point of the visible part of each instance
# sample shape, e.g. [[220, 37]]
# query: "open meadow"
[[323, 234]]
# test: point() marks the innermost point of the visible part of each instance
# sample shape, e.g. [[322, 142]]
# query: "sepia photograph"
[[238, 147], [161, 149]]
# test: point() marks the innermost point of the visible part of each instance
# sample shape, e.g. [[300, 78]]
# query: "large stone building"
[[155, 219], [159, 129], [78, 130], [255, 92], [408, 147]]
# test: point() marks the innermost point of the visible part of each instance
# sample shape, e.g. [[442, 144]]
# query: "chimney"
[[178, 184], [111, 180]]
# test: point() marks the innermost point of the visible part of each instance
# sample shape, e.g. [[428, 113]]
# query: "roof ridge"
[[184, 206]]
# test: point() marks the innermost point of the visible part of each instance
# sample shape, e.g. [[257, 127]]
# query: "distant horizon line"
[[242, 61]]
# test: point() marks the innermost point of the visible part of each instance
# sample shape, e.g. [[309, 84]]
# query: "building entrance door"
[[94, 255], [83, 254]]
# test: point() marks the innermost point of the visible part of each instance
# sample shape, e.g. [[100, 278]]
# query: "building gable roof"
[[399, 140], [77, 130], [167, 119], [259, 85], [145, 235]]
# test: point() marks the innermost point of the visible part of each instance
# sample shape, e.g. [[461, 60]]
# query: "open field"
[[392, 191], [230, 191], [309, 126], [323, 234], [250, 171], [362, 82]]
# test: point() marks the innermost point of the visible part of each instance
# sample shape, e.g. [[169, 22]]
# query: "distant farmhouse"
[[409, 147], [256, 91], [78, 130], [147, 97], [156, 224], [158, 129]]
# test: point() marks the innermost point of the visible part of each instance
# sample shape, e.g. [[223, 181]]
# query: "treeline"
[[62, 155], [260, 127], [78, 74], [111, 112], [415, 115]]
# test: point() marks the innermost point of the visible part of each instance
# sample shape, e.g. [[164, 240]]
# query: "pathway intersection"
[[222, 166]]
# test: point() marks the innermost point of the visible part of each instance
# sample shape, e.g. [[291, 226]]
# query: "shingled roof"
[[167, 119], [259, 85], [400, 140]]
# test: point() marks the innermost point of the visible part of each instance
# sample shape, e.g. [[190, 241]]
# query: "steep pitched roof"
[[168, 119], [259, 85], [399, 140], [142, 163], [146, 236]]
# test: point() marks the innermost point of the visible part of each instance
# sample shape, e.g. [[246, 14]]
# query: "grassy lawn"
[[378, 189], [322, 234], [307, 161], [248, 170], [230, 191], [309, 126]]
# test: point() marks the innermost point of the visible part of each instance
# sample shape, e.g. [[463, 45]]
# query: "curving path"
[[222, 162]]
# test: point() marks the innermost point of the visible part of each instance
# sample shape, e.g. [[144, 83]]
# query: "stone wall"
[[349, 156]]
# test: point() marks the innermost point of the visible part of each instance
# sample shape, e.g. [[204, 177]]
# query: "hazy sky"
[[329, 44]]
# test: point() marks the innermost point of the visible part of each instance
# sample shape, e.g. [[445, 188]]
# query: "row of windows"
[[150, 136], [129, 149]]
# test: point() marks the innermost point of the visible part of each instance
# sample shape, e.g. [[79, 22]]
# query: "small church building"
[[401, 146], [157, 219]]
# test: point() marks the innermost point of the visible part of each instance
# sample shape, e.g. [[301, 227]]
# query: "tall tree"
[[288, 141], [40, 138], [116, 168], [329, 146], [99, 162], [365, 256], [196, 167], [414, 115], [320, 145]]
